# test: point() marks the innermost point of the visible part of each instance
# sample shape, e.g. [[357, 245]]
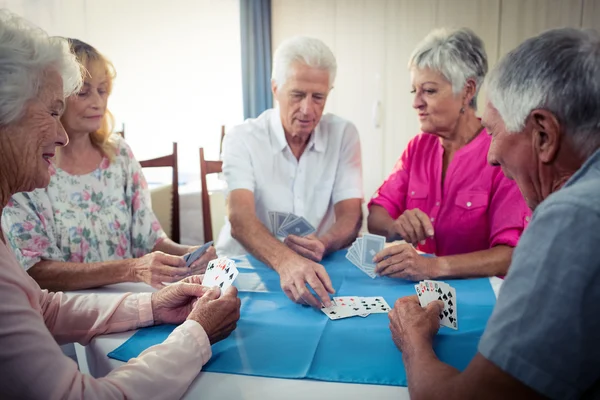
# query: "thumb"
[[435, 307], [211, 293]]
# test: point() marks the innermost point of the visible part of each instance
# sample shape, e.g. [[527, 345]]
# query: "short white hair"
[[307, 50], [559, 71], [26, 53], [457, 54]]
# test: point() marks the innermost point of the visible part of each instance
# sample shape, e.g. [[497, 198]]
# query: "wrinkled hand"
[[298, 272], [218, 316], [158, 267], [174, 303], [413, 325], [310, 246], [403, 261], [199, 266], [413, 225]]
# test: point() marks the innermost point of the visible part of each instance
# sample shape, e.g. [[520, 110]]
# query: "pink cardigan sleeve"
[[33, 366]]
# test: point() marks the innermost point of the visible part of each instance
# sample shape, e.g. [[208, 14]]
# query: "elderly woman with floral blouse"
[[93, 225]]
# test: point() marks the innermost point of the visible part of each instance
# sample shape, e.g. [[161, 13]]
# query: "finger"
[[231, 291], [196, 279], [306, 295], [317, 286], [408, 228], [212, 293], [426, 223], [389, 251], [293, 295], [394, 259], [173, 271], [158, 285], [169, 259], [417, 226], [191, 289], [301, 250], [435, 307], [325, 279]]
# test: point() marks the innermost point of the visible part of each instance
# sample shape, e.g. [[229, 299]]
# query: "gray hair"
[[559, 71], [26, 52], [307, 50], [457, 54]]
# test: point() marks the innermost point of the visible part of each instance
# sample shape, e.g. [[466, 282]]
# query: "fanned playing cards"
[[220, 272], [363, 250], [352, 306], [284, 224], [429, 291]]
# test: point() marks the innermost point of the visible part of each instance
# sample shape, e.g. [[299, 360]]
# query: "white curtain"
[[178, 68]]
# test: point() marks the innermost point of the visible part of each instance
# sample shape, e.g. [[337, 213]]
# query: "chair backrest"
[[121, 132], [169, 161], [221, 142], [207, 167]]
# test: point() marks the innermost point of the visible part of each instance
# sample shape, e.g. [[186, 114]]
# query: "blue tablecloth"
[[277, 338]]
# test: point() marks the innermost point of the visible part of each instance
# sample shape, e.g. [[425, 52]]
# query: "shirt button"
[[437, 203], [432, 219], [469, 204], [412, 193], [527, 218]]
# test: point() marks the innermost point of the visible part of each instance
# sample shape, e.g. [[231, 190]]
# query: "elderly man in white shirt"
[[294, 159]]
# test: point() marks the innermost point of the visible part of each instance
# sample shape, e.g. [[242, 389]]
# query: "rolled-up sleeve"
[[348, 178], [508, 212], [391, 195], [237, 163]]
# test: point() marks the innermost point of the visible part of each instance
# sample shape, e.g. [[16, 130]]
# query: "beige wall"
[[372, 40]]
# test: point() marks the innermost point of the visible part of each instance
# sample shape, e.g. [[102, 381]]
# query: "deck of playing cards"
[[429, 291], [284, 224], [352, 306], [363, 250], [196, 254], [220, 272]]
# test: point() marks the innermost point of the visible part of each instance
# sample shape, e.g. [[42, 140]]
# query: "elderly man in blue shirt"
[[541, 341]]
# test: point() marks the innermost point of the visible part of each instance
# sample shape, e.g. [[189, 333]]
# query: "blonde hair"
[[86, 55]]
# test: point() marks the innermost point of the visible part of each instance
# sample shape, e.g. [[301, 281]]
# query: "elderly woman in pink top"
[[37, 73], [442, 196]]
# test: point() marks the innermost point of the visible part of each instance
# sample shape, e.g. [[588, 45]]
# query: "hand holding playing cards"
[[414, 226], [158, 267], [403, 261], [199, 266], [174, 303], [412, 324], [310, 246], [298, 272], [217, 315]]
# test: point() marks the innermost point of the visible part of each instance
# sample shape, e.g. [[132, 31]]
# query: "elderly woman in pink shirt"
[[442, 196], [37, 73]]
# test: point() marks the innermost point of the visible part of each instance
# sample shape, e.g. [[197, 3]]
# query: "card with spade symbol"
[[352, 306], [220, 272], [429, 291]]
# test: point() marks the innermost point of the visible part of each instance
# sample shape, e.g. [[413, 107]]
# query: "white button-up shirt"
[[256, 157]]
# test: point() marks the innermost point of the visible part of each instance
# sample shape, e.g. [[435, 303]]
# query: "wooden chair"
[[169, 161], [121, 132], [207, 167]]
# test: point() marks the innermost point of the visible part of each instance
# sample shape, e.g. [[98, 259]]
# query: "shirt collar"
[[316, 141]]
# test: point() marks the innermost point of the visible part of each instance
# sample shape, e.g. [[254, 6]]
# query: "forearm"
[[258, 241], [491, 262], [342, 233], [170, 247], [62, 276], [79, 318], [379, 222], [428, 377]]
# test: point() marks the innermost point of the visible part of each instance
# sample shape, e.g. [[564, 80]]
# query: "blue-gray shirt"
[[545, 328]]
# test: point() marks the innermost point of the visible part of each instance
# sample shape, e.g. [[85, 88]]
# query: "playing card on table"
[[299, 227], [375, 305], [429, 291], [220, 272], [354, 303]]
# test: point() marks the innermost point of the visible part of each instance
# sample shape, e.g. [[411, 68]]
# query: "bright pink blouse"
[[476, 207]]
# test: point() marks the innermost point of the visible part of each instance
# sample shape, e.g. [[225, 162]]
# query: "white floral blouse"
[[101, 216]]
